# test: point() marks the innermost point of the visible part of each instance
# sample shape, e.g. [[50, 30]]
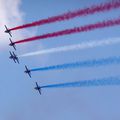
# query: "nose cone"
[[35, 88], [7, 31], [10, 44]]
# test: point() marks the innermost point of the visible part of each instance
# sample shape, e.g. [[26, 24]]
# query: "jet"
[[27, 71], [8, 31], [38, 88], [14, 57], [12, 44]]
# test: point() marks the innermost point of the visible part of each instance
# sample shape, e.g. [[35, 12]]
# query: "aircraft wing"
[[14, 54], [10, 34], [26, 68], [14, 47], [6, 27], [39, 91], [14, 60], [37, 85], [10, 53], [18, 60], [29, 74]]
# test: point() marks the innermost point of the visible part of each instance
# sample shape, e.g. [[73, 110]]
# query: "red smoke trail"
[[74, 30], [66, 16]]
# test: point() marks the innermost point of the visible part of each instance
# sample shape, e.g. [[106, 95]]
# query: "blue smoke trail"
[[87, 83], [89, 63]]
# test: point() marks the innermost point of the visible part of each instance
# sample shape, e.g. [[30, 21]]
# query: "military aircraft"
[[14, 57], [12, 44], [8, 31], [38, 88], [27, 71]]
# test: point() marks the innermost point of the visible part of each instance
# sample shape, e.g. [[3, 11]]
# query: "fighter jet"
[[38, 88], [14, 57], [8, 31], [12, 44], [27, 71]]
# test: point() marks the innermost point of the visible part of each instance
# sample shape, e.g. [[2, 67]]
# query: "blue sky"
[[19, 100]]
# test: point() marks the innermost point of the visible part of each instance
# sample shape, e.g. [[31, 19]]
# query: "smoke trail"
[[81, 64], [81, 46], [74, 30], [66, 16], [87, 83]]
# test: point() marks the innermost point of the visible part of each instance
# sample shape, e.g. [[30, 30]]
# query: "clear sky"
[[19, 100]]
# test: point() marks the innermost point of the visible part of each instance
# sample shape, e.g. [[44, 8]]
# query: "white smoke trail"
[[81, 46]]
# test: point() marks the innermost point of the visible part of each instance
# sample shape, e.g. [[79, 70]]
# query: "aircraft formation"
[[66, 16], [15, 58]]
